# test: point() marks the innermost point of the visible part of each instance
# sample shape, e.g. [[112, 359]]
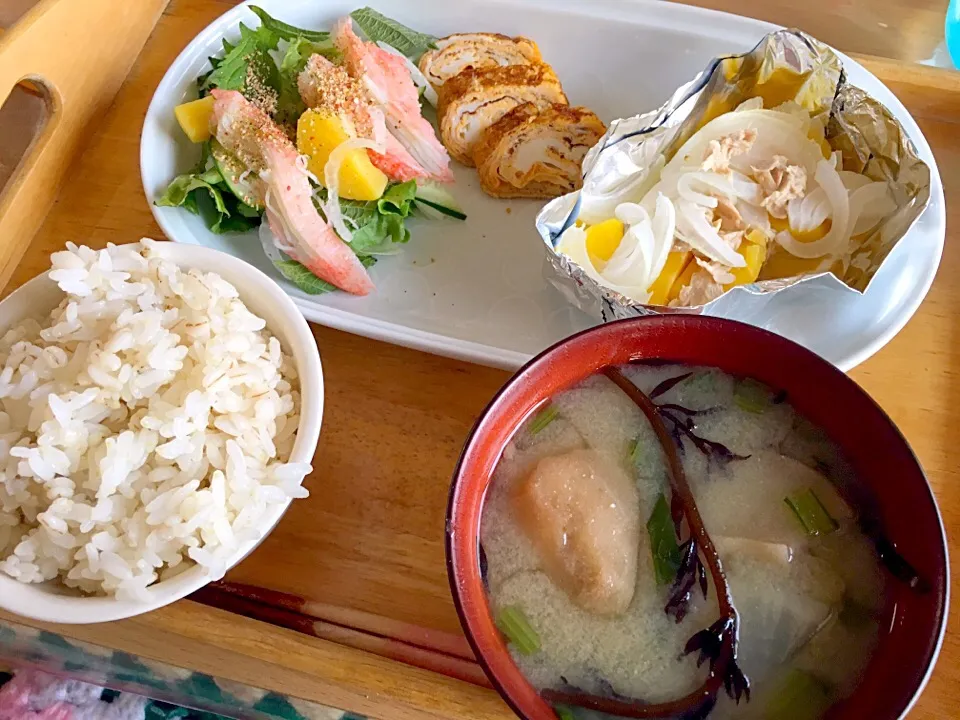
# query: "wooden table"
[[395, 418]]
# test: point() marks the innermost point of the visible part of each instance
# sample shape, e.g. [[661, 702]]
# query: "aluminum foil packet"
[[627, 161]]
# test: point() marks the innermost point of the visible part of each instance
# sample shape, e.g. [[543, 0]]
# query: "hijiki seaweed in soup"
[[603, 559]]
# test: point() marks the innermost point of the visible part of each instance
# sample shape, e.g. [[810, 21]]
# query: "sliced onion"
[[754, 103], [808, 212], [755, 217], [853, 180], [631, 213], [418, 77], [573, 244], [331, 179], [745, 188], [664, 228], [629, 264], [778, 133], [868, 206], [269, 241], [686, 192], [703, 237], [828, 179]]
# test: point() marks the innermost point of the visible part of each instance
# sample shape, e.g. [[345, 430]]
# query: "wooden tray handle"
[[77, 53]]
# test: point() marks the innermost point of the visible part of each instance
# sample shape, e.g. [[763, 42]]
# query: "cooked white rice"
[[143, 426]]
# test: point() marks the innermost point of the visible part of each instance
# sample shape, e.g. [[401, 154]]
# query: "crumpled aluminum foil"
[[628, 159]]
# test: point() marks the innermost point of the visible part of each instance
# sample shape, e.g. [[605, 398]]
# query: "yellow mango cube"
[[318, 135], [603, 239], [754, 254], [816, 134], [782, 264], [194, 118], [676, 263], [683, 279]]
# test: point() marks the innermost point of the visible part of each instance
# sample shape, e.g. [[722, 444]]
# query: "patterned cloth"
[[34, 650], [34, 695]]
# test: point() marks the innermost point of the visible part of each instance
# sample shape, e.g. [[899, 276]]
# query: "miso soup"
[[596, 574]]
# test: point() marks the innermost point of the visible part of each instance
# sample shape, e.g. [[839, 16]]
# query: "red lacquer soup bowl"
[[881, 457]]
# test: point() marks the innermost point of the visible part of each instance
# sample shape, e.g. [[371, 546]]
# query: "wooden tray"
[[364, 554], [365, 551]]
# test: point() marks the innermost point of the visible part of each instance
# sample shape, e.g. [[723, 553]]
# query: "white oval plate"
[[474, 290]]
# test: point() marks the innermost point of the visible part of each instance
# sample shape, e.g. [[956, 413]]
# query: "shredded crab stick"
[[326, 86], [388, 83], [300, 231]]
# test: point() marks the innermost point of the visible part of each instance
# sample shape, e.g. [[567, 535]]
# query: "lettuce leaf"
[[379, 28], [380, 224], [398, 199], [380, 235], [177, 191], [203, 192]]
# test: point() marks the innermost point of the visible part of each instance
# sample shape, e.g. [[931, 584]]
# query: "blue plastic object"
[[952, 30]]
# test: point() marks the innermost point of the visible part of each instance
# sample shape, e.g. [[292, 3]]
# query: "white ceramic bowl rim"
[[265, 298]]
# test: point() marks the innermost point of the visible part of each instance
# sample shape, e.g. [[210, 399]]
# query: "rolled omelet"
[[473, 100], [536, 152], [475, 51]]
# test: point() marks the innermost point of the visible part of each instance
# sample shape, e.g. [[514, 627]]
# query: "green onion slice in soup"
[[515, 626], [811, 513]]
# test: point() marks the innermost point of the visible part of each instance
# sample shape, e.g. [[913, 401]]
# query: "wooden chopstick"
[[447, 643], [287, 611]]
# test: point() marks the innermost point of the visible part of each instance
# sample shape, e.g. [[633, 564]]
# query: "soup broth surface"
[[809, 600]]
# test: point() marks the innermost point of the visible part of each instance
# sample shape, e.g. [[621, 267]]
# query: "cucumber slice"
[[232, 170], [436, 197]]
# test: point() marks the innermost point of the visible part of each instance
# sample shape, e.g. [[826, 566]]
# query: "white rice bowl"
[[151, 428]]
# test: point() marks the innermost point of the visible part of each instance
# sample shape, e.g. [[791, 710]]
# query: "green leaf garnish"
[[634, 451], [379, 28], [543, 418], [306, 280], [303, 278], [204, 192], [514, 624], [398, 198], [798, 696], [289, 103], [283, 30], [853, 614], [253, 49], [181, 186], [380, 236], [223, 213], [752, 396], [663, 542], [811, 513]]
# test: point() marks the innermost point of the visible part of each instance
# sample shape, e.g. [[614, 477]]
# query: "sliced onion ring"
[[419, 79], [827, 178], [331, 179]]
